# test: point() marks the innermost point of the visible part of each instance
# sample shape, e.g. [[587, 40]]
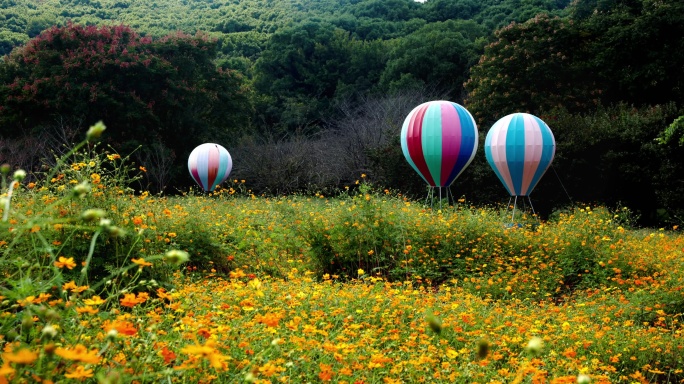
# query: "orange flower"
[[161, 293], [143, 297], [121, 326], [129, 300], [141, 262], [64, 262], [5, 371], [168, 355], [208, 352], [570, 353], [86, 309], [79, 373], [326, 372], [79, 353], [69, 285], [23, 356], [269, 369]]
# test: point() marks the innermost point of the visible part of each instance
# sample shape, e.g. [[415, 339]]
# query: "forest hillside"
[[307, 95]]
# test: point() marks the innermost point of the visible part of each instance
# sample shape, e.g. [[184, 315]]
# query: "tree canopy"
[[166, 90], [629, 51]]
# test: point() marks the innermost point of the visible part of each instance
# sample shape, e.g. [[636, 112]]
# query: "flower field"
[[102, 284]]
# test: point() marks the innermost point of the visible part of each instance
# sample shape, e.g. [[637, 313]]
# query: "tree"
[[672, 132], [391, 10], [437, 55], [442, 10], [622, 50], [9, 40], [306, 66], [145, 90], [531, 67], [637, 48]]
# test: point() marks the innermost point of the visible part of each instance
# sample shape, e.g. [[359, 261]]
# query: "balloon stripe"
[[548, 151], [225, 166], [404, 144], [194, 171], [202, 169], [501, 162], [452, 135], [432, 140], [515, 151], [468, 144], [415, 143], [533, 152], [213, 158]]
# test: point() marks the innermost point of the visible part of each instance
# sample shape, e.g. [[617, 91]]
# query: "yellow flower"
[[26, 301], [208, 352], [113, 157], [361, 272], [95, 300], [255, 283], [65, 262], [270, 369], [95, 178]]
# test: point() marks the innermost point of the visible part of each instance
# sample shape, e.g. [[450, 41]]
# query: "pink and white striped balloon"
[[209, 165]]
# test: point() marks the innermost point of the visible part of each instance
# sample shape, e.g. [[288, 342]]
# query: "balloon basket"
[[442, 195], [515, 208]]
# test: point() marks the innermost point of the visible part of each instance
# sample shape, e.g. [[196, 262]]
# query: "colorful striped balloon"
[[520, 148], [439, 140], [209, 164]]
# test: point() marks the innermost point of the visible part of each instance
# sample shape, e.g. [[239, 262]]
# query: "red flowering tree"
[[146, 91]]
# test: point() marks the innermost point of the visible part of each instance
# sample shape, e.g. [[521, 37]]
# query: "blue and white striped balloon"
[[520, 148]]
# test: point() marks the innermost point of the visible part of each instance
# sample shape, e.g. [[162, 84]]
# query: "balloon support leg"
[[515, 205], [448, 195]]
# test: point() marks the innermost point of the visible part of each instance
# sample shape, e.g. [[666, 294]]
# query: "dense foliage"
[[297, 79], [625, 51]]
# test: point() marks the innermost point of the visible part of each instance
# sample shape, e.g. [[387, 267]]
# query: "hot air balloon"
[[519, 148], [209, 165], [439, 140]]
